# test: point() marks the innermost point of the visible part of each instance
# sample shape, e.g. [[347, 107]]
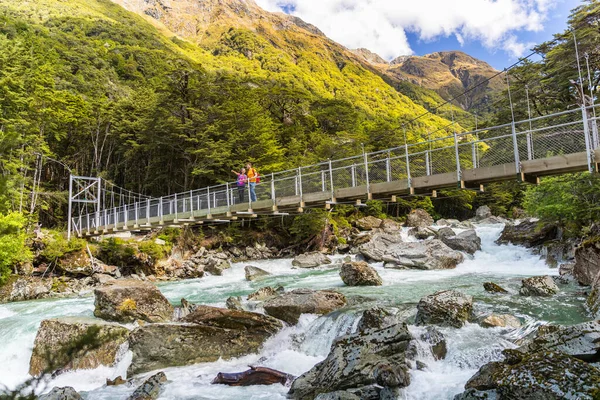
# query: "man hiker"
[[252, 181]]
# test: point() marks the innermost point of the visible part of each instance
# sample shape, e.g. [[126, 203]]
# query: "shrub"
[[154, 250], [115, 251], [56, 246], [13, 249]]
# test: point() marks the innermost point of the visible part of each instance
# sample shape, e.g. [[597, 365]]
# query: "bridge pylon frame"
[[84, 190]]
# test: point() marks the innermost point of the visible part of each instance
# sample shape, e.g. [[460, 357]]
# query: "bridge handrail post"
[[427, 164], [273, 194], [227, 195], [409, 178], [175, 206], [331, 180], [516, 148], [160, 210], [148, 205], [529, 146], [300, 183], [136, 213], [126, 217], [208, 198], [388, 167], [323, 185], [353, 172], [586, 133], [365, 160], [191, 204], [458, 171]]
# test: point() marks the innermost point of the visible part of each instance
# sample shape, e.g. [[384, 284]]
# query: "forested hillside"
[[107, 93]]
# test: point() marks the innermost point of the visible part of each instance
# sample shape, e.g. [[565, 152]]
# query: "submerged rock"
[[419, 217], [254, 376], [528, 233], [73, 343], [209, 333], [253, 273], [150, 389], [374, 356], [289, 306], [430, 254], [466, 241], [538, 286], [61, 393], [265, 293], [310, 260], [543, 375], [131, 300], [445, 308], [360, 273], [501, 321], [587, 262], [491, 287]]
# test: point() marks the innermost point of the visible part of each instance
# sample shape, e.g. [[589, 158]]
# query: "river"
[[296, 349]]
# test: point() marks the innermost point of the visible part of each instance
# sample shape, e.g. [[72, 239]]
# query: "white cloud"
[[381, 25]]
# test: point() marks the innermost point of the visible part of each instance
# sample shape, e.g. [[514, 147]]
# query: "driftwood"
[[254, 376]]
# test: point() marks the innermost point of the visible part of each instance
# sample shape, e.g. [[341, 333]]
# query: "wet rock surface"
[[254, 273], [97, 344], [593, 299], [310, 260], [543, 286], [289, 306], [150, 389], [419, 217], [466, 241], [445, 308], [360, 273], [430, 254], [501, 321], [491, 287], [436, 341], [130, 300], [374, 356], [61, 393], [25, 288], [528, 233], [265, 293], [368, 223], [234, 319], [254, 376], [587, 263]]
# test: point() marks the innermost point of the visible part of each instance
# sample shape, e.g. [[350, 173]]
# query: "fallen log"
[[254, 376]]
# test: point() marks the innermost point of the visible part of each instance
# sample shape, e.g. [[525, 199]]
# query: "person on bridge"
[[242, 179], [253, 179]]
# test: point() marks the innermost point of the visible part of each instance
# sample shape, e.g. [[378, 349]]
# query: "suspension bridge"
[[553, 144]]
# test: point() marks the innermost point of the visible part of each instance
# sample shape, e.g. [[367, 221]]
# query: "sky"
[[496, 31]]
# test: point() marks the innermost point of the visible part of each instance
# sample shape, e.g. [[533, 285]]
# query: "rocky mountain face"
[[449, 73]]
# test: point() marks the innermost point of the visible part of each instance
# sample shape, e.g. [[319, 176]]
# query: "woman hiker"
[[242, 178]]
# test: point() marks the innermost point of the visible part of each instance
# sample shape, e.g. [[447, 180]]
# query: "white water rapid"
[[296, 349]]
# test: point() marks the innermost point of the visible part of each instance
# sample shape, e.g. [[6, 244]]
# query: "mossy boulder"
[[543, 286], [289, 306], [72, 343], [445, 308], [130, 300], [368, 223], [76, 263], [360, 273]]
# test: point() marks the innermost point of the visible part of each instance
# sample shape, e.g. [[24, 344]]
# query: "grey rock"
[[377, 318], [501, 321], [62, 393], [337, 395], [375, 356], [538, 286], [216, 266], [466, 241], [483, 212], [360, 273], [368, 223], [234, 303], [265, 293], [150, 389], [436, 341], [491, 287], [419, 217], [528, 233], [310, 260], [290, 305], [25, 288], [421, 233], [253, 273], [587, 262], [445, 308], [593, 299], [566, 269]]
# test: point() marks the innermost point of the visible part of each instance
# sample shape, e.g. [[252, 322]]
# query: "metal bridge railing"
[[562, 133]]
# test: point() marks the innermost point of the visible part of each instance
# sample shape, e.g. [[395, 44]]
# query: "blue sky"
[[496, 31]]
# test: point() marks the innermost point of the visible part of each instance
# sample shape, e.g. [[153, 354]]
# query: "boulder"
[[542, 375], [374, 356], [501, 321], [130, 300], [234, 303], [483, 212], [419, 217], [593, 299], [436, 341], [76, 263], [377, 318], [587, 262], [445, 308], [390, 226], [216, 266], [310, 260], [62, 393], [254, 376], [338, 395], [150, 389], [581, 341], [25, 288], [207, 334], [466, 241], [360, 273], [528, 233], [445, 232], [454, 223], [566, 269], [491, 287], [75, 343], [368, 223], [265, 293], [420, 232], [115, 382], [538, 286], [289, 306], [377, 245], [430, 254], [253, 273]]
